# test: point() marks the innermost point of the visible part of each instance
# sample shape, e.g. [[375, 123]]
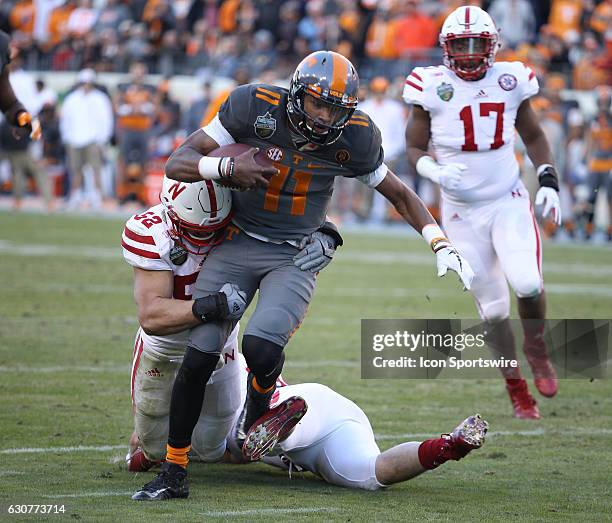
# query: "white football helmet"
[[198, 211], [469, 41]]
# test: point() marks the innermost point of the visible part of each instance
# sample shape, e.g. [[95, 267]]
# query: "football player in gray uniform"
[[313, 133]]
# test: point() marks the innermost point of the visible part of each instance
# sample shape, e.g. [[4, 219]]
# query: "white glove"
[[447, 176], [449, 258], [549, 199]]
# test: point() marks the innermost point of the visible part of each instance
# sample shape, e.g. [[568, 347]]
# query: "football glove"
[[236, 301], [548, 199], [548, 194], [447, 176], [317, 251], [227, 304], [29, 124], [448, 258]]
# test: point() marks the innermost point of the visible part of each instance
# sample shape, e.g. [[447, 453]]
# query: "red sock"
[[512, 383], [430, 453]]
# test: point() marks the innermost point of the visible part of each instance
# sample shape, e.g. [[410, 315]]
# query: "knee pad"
[[197, 366], [264, 358], [494, 311], [528, 287]]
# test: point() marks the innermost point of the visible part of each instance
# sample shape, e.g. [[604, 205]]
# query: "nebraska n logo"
[[176, 189]]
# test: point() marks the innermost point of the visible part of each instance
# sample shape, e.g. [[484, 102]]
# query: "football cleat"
[[255, 406], [138, 462], [467, 436], [274, 426], [523, 403], [170, 483], [544, 374]]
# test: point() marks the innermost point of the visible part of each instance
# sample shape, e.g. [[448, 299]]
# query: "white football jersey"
[[473, 123], [147, 244], [327, 412]]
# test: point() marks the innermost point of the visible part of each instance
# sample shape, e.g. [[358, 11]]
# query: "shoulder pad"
[[239, 112], [145, 240], [361, 144], [517, 75]]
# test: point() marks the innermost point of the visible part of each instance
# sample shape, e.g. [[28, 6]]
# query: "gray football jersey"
[[296, 201]]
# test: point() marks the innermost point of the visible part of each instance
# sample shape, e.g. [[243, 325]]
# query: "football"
[[236, 149]]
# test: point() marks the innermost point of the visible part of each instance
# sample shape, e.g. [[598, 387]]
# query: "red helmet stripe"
[[213, 198], [339, 73], [467, 16]]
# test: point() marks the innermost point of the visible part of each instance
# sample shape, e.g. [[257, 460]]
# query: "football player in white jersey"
[[312, 427], [166, 245], [469, 109]]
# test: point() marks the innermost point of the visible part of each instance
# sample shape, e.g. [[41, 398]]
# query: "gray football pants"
[[284, 290]]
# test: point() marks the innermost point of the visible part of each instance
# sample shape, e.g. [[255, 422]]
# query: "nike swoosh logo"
[[157, 492]]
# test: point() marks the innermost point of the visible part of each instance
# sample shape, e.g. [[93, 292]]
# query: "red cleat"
[[523, 403], [274, 426], [138, 462], [544, 374], [469, 435]]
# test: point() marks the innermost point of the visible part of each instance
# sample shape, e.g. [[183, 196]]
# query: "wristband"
[[434, 236], [210, 168], [547, 176]]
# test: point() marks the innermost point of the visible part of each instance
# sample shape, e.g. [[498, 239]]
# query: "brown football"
[[236, 149]]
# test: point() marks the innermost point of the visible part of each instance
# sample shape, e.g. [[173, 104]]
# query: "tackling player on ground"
[[314, 428], [469, 108], [313, 133]]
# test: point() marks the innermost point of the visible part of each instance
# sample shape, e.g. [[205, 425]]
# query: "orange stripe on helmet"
[[340, 73]]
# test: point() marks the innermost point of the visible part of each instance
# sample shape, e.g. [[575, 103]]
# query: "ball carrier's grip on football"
[[251, 167]]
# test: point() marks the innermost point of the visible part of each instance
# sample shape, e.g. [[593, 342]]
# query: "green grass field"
[[67, 322]]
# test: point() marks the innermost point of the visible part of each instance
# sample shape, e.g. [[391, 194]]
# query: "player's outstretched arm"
[[159, 314], [190, 163], [539, 153], [414, 211]]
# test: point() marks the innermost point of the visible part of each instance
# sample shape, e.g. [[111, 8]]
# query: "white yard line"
[[502, 433], [87, 495], [267, 512], [370, 258], [120, 369], [581, 431], [63, 450]]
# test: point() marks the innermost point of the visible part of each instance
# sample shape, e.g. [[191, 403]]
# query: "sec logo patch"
[[507, 82], [275, 154]]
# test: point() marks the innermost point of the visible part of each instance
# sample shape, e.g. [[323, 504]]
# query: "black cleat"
[[170, 483]]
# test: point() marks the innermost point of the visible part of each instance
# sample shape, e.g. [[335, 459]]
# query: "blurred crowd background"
[[117, 84]]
